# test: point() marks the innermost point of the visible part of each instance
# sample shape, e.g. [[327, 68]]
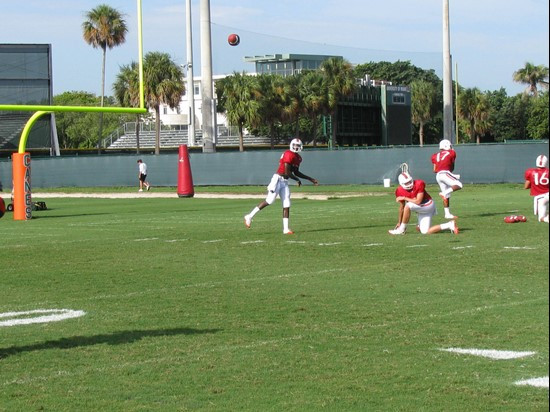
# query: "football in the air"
[[2, 207], [233, 39]]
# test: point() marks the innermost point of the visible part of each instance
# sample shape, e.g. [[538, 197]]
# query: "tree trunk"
[[157, 129], [271, 135], [314, 125], [333, 130], [241, 138], [421, 133]]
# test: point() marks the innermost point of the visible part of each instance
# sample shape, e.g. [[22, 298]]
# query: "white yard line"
[[490, 353]]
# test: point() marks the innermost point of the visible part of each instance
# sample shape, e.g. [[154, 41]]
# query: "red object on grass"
[[185, 178], [511, 219]]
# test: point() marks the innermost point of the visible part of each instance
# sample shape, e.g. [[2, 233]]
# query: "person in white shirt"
[[142, 176]]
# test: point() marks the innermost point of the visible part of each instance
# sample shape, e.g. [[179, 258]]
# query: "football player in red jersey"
[[412, 197], [443, 165], [536, 179], [289, 165]]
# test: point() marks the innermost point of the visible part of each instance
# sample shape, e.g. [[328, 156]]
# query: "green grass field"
[[186, 309]]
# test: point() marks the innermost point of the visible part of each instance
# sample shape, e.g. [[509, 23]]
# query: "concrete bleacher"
[[11, 126], [172, 138]]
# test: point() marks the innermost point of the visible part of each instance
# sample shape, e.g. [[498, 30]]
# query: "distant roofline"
[[287, 56]]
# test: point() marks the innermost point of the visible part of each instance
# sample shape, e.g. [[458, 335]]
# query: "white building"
[[180, 115]]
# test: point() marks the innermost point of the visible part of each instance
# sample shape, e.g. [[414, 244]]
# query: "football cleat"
[[396, 232], [454, 228], [247, 221], [450, 217], [288, 232]]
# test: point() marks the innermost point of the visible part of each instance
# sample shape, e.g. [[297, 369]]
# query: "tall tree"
[[423, 100], [238, 95], [314, 95], [537, 124], [163, 84], [532, 76], [271, 104], [474, 109], [340, 82], [78, 130], [126, 91], [104, 28]]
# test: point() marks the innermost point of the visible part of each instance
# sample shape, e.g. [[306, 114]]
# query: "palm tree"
[[423, 96], [239, 96], [293, 104], [474, 109], [340, 82], [104, 28], [313, 93], [532, 76], [271, 108], [126, 91], [163, 84]]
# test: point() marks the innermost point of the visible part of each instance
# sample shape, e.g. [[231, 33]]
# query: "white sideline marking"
[[295, 241], [213, 241], [461, 247], [490, 353], [330, 244], [418, 246], [55, 315], [373, 244], [146, 239], [520, 247], [176, 240], [537, 382], [253, 241]]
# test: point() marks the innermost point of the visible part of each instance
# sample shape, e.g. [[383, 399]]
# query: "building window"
[[398, 98]]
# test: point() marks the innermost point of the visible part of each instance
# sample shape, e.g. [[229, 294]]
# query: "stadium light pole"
[[447, 77], [208, 104], [190, 83]]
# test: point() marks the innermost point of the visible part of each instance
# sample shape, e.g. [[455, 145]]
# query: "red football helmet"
[[511, 219]]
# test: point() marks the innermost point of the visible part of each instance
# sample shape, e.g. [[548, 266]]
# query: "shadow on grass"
[[116, 338]]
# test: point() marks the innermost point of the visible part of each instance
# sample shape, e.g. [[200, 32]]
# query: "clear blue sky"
[[490, 39]]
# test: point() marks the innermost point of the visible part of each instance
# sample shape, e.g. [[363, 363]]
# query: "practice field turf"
[[177, 306]]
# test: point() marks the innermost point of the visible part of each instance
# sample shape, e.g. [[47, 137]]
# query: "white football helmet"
[[406, 181], [445, 145], [542, 161], [296, 145]]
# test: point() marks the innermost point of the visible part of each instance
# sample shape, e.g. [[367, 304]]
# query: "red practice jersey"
[[539, 180], [419, 186], [444, 160], [294, 159]]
